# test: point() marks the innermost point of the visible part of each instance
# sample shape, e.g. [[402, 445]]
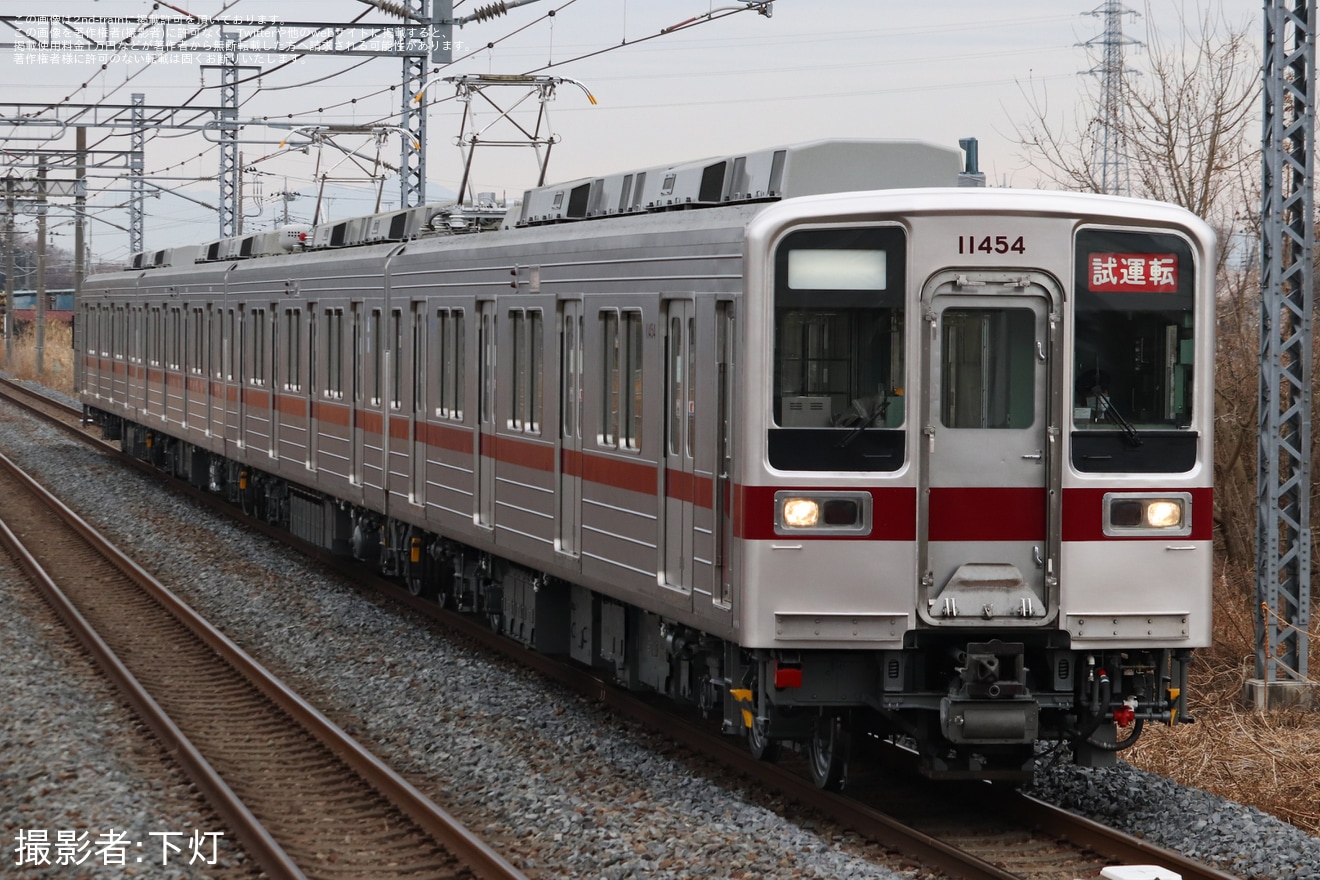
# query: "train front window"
[[1134, 350], [987, 365], [838, 350]]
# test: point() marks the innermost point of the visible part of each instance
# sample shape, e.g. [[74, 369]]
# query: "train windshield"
[[1134, 344], [838, 350]]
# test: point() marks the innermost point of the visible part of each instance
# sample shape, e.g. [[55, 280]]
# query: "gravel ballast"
[[559, 785]]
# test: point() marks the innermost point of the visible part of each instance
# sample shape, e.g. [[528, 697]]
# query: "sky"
[[727, 84]]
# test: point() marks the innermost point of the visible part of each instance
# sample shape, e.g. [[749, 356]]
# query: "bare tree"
[[1189, 123]]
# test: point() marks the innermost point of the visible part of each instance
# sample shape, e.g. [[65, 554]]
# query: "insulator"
[[394, 8], [485, 13]]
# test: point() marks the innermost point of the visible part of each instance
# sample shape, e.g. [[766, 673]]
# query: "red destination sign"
[[1133, 273]]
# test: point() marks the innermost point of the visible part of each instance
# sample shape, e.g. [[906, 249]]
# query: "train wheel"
[[827, 753], [761, 746]]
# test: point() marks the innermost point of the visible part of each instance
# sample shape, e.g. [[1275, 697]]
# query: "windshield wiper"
[[878, 413], [1129, 433]]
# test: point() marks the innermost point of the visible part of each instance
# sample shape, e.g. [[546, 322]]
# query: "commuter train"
[[825, 440]]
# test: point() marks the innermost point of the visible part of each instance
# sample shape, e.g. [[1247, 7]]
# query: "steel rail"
[[467, 847], [268, 854]]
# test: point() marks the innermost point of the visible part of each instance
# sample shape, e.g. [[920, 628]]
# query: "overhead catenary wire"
[[263, 78]]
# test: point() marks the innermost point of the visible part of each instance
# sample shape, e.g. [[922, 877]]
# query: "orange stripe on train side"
[[331, 413], [447, 437], [522, 453]]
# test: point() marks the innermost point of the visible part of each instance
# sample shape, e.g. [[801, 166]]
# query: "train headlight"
[[1133, 513], [822, 513], [801, 513], [1164, 514]]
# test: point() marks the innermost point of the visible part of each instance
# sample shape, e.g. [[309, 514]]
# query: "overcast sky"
[[814, 69]]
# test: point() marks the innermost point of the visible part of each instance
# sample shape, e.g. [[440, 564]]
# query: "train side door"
[[679, 492], [314, 384], [358, 395], [569, 460], [988, 450], [422, 331], [485, 440], [722, 500], [375, 408], [242, 371], [233, 373], [280, 342]]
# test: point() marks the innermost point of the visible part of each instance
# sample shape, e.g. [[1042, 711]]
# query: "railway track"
[[303, 798], [974, 831]]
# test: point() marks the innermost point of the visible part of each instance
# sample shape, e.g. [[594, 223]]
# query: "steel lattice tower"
[[1283, 533], [1110, 154], [136, 168]]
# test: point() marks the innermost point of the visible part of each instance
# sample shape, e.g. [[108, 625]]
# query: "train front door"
[[988, 449]]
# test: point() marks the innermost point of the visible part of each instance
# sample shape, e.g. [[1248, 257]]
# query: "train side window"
[[570, 347], [448, 355], [355, 352], [632, 322], [293, 349], [178, 335], [153, 337], [194, 352], [375, 358], [313, 354], [334, 354], [536, 375], [138, 332], [692, 386], [518, 368], [396, 358], [230, 345], [609, 341], [621, 350], [214, 341], [257, 374], [674, 343], [488, 362], [528, 370], [419, 338]]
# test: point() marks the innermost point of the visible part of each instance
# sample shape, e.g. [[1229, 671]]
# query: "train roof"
[[816, 167]]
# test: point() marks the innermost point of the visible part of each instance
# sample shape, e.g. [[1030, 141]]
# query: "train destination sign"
[[1133, 273]]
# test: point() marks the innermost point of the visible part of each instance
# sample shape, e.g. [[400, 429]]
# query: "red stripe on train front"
[[893, 514], [1084, 514], [987, 514]]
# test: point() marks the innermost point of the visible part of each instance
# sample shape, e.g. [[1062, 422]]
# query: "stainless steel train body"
[[814, 452]]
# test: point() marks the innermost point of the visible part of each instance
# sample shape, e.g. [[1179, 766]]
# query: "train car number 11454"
[[987, 244]]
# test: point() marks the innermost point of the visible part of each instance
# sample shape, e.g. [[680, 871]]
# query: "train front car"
[[974, 504]]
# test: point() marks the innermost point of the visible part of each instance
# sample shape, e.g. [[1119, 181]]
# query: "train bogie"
[[931, 460]]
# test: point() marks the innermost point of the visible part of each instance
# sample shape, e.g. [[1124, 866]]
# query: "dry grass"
[[57, 361], [1269, 760]]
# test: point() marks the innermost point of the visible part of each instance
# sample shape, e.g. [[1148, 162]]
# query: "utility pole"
[[79, 249], [41, 269], [10, 207], [1283, 483]]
